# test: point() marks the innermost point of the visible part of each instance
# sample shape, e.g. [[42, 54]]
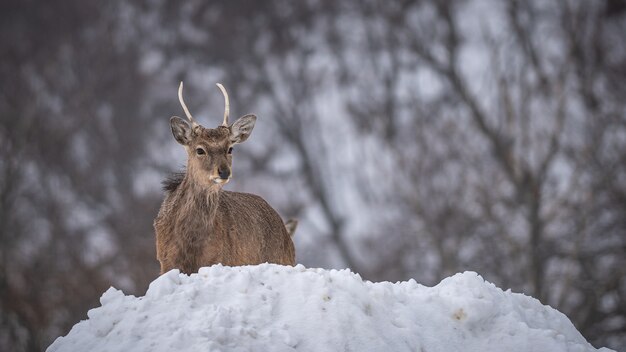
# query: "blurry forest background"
[[413, 139]]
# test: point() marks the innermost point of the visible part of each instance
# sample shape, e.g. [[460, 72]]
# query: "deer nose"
[[224, 173]]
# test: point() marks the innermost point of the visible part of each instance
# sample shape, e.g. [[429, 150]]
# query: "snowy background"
[[413, 140]]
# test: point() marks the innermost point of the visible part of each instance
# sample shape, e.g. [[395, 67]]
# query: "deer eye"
[[230, 150], [200, 151]]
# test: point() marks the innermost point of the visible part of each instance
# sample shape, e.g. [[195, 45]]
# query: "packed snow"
[[279, 308]]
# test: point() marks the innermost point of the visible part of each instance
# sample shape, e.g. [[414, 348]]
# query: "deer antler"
[[226, 104], [182, 102]]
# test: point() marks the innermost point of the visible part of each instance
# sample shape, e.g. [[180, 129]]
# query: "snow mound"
[[279, 308]]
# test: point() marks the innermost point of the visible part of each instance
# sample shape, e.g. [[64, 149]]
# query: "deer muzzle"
[[224, 173]]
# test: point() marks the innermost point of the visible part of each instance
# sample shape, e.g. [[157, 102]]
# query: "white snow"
[[278, 308]]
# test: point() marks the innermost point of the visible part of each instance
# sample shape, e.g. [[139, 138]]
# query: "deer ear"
[[241, 129], [181, 130]]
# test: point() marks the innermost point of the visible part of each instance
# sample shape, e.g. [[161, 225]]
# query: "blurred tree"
[[498, 126], [72, 140]]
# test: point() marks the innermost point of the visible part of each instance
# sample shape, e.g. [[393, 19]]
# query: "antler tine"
[[226, 104], [182, 102]]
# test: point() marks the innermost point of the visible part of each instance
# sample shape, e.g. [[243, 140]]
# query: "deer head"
[[209, 150]]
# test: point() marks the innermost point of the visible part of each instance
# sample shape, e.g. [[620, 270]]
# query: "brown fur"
[[199, 224]]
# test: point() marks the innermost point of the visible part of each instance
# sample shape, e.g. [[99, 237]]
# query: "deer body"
[[199, 224]]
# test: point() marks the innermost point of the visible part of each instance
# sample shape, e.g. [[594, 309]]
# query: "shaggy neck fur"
[[193, 199], [198, 202]]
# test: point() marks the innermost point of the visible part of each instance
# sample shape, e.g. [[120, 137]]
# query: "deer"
[[200, 224]]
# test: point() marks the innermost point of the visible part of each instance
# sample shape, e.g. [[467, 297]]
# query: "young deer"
[[199, 224]]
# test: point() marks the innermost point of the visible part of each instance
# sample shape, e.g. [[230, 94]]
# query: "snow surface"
[[279, 308]]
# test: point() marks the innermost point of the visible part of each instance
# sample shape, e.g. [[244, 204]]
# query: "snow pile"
[[276, 308]]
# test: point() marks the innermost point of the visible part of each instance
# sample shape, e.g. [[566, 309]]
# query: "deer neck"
[[199, 204]]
